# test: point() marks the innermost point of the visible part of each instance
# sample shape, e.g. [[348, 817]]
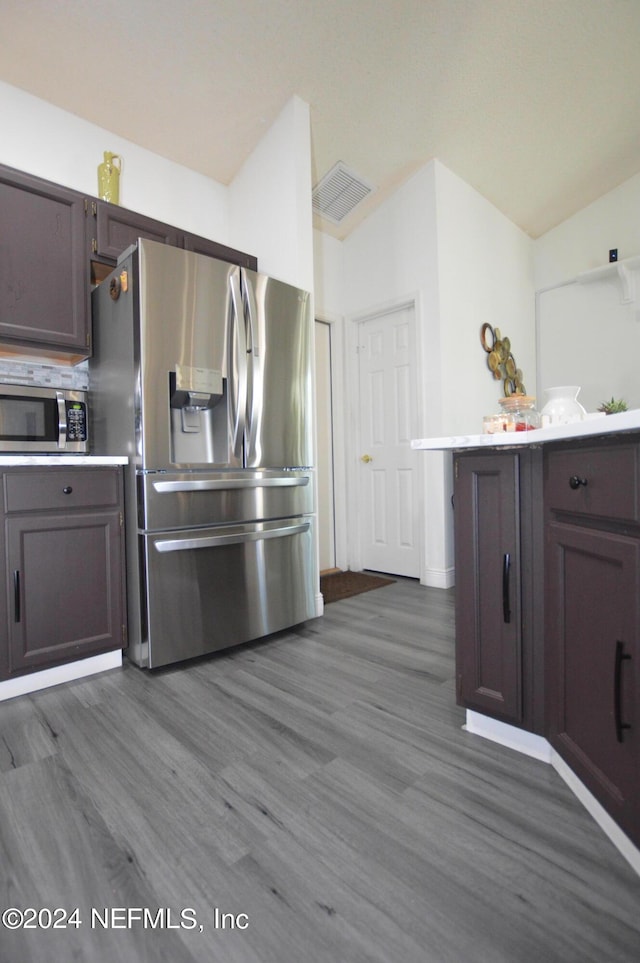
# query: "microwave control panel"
[[76, 421]]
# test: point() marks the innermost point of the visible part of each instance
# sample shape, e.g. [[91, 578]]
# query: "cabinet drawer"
[[601, 481], [64, 488]]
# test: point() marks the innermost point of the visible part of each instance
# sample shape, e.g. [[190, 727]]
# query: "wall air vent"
[[339, 191]]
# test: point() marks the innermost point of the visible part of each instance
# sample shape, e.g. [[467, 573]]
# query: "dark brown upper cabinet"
[[44, 277], [112, 229], [56, 242]]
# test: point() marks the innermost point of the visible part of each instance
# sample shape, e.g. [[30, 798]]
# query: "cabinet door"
[[488, 597], [44, 274], [115, 229], [65, 597], [593, 626]]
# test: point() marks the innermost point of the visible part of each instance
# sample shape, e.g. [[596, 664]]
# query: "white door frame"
[[353, 452], [338, 405]]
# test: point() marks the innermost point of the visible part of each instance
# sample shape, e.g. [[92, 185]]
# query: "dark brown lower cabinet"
[[592, 569], [498, 584], [547, 552], [63, 566]]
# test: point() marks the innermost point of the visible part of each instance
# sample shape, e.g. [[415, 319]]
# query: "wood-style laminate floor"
[[308, 799]]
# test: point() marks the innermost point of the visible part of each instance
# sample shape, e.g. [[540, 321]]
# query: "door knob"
[[366, 459]]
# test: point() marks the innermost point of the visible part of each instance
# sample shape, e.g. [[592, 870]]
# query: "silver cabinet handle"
[[222, 484], [215, 541]]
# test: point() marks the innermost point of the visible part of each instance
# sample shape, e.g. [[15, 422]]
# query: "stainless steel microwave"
[[41, 420]]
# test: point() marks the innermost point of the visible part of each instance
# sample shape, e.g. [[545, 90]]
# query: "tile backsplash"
[[60, 376]]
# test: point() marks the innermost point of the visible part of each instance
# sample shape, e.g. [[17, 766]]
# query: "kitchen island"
[[62, 566], [547, 557], [592, 426]]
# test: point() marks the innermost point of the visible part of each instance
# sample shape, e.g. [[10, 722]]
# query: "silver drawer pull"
[[224, 484], [215, 541]]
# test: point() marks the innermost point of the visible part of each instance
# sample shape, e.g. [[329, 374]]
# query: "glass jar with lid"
[[519, 413]]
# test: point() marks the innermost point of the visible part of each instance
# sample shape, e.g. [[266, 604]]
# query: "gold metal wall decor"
[[500, 360]]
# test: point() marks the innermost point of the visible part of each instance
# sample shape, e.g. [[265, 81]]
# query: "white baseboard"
[[25, 684], [538, 747], [622, 842], [439, 578], [510, 736]]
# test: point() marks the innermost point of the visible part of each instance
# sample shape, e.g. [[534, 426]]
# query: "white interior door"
[[324, 467], [388, 468]]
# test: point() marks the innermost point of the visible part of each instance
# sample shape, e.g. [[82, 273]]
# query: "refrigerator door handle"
[[254, 369], [252, 314], [237, 365], [233, 538], [224, 484]]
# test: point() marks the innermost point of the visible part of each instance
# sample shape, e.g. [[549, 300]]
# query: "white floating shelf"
[[621, 271]]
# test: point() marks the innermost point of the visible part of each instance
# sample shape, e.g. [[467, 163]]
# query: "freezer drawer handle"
[[215, 484], [214, 541]]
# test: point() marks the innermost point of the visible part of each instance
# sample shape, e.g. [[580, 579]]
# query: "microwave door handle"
[[237, 365], [62, 420]]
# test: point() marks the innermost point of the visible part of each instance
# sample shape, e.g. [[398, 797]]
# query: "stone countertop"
[[593, 425], [51, 461]]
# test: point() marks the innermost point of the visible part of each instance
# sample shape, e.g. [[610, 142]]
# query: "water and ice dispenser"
[[198, 404]]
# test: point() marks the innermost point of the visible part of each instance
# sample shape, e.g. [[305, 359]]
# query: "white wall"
[[328, 263], [328, 267], [50, 143], [393, 256], [270, 199], [485, 273], [390, 259], [266, 211], [437, 242], [440, 240], [588, 335], [60, 147], [583, 241], [325, 471]]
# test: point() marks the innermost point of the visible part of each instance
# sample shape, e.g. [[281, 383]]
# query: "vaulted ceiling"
[[535, 103]]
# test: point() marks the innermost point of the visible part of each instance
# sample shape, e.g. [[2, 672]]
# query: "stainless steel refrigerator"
[[201, 375]]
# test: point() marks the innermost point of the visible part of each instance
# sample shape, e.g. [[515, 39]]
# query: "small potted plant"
[[613, 407]]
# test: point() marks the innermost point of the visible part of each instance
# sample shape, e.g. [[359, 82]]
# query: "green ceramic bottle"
[[109, 178]]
